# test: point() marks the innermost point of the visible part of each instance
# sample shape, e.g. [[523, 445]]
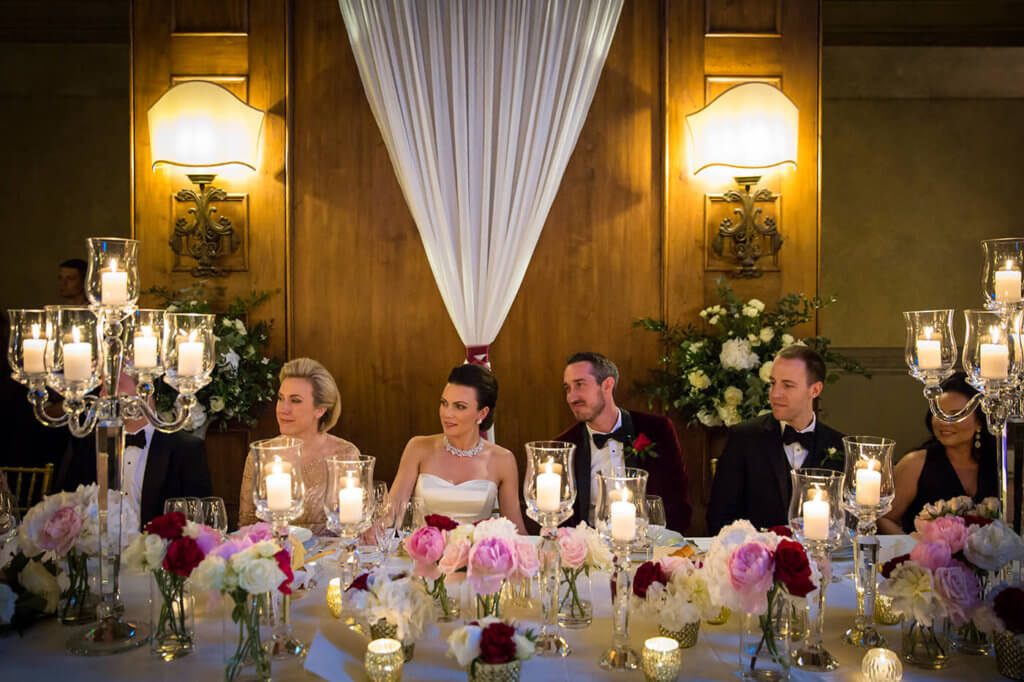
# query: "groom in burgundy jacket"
[[608, 438]]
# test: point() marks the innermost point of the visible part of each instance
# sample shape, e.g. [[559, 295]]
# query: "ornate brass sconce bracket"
[[204, 235], [747, 231]]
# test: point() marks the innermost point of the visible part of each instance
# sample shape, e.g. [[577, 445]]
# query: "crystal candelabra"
[[992, 353], [620, 511], [818, 522], [74, 350], [868, 491], [349, 502], [279, 495], [549, 489]]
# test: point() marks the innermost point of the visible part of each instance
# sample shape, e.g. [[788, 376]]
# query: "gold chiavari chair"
[[28, 485]]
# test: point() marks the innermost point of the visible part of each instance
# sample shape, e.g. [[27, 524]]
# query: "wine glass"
[[655, 514], [8, 512], [214, 514], [189, 506]]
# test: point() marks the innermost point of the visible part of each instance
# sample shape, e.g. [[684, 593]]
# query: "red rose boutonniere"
[[641, 447]]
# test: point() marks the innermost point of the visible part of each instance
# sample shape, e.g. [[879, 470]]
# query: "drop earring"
[[479, 422], [977, 439]]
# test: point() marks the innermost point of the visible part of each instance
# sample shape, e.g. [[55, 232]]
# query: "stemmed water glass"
[[214, 514], [655, 518], [189, 506]]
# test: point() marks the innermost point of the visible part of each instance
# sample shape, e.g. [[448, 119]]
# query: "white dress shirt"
[[796, 453], [135, 466], [608, 459]]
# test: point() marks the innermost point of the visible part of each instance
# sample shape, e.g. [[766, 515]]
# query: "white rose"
[[464, 531], [599, 555], [713, 320], [209, 575], [216, 404], [708, 418], [750, 311], [729, 415], [787, 340], [766, 371], [698, 379], [240, 326], [464, 644], [230, 359], [767, 334], [993, 546], [704, 313], [736, 354], [197, 417], [7, 602], [40, 582], [756, 304], [732, 396], [260, 575], [524, 647], [696, 346]]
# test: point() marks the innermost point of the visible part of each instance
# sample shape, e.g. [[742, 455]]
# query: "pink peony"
[[491, 562], [425, 547], [931, 555], [61, 531], [454, 559], [751, 572], [527, 563], [950, 530], [207, 538], [257, 532], [572, 547], [959, 589]]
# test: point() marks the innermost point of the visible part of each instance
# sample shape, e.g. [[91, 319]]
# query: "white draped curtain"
[[480, 103]]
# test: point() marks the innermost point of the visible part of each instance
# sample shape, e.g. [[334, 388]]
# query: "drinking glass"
[[8, 512], [213, 513], [189, 506], [655, 514]]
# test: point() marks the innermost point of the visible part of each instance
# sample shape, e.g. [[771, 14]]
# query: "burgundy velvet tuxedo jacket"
[[666, 472]]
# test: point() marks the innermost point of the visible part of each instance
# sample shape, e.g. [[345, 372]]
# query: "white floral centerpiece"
[[395, 605], [673, 592]]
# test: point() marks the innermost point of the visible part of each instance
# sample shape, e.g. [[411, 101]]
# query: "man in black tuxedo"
[[605, 435], [752, 480]]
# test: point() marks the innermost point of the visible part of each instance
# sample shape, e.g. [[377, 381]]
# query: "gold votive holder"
[[334, 597], [384, 660], [687, 637], [721, 619], [661, 659], [884, 614]]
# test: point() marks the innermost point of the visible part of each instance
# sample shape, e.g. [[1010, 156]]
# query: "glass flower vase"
[[489, 604], [247, 637], [969, 640], [764, 642], [447, 606], [77, 604], [575, 606], [172, 616], [926, 646]]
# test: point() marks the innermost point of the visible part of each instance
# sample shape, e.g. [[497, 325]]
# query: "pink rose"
[[425, 547], [572, 547], [61, 531], [931, 555], [671, 564], [751, 572], [207, 538], [527, 562], [948, 529], [491, 562], [231, 547], [257, 532], [959, 589], [455, 558]]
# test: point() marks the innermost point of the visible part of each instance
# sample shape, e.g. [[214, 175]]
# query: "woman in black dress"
[[959, 459]]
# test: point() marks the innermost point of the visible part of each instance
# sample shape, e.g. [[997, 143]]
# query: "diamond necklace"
[[475, 450]]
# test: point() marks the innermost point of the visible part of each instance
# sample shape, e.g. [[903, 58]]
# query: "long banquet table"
[[40, 653]]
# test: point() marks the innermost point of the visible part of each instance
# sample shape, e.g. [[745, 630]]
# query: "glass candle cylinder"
[[278, 488], [989, 356], [143, 354], [27, 344], [76, 351], [349, 503], [112, 278]]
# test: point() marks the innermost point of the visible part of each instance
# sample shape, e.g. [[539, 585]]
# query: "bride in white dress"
[[457, 473]]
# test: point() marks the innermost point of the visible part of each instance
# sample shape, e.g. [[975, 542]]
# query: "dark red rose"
[[649, 572], [360, 583], [1009, 606], [781, 531], [182, 556], [284, 562], [497, 644], [441, 522], [641, 442], [792, 568], [972, 520], [889, 566], [168, 526]]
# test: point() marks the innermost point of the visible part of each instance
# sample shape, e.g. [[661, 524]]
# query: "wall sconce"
[[202, 126], [748, 129]]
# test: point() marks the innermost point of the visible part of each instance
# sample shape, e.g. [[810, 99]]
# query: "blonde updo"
[[325, 390]]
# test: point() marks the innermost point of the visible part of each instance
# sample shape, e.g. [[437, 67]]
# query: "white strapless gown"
[[467, 502]]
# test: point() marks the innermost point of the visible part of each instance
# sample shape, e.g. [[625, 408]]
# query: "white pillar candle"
[[929, 351], [350, 503], [549, 489], [190, 357], [623, 521], [114, 285], [869, 485], [816, 518], [77, 359], [145, 349], [279, 489], [34, 353], [662, 645], [995, 361], [1007, 284]]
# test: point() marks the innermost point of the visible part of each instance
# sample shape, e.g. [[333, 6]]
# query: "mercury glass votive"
[[661, 660], [384, 660], [334, 597], [881, 665]]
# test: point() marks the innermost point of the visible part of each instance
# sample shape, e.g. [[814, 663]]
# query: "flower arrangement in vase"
[[674, 593], [1002, 616], [393, 605], [491, 650], [581, 550]]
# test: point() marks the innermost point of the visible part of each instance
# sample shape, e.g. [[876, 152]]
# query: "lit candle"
[[190, 356], [929, 351], [145, 349], [350, 502], [34, 353], [114, 285], [995, 357], [869, 484], [77, 358], [816, 517], [279, 488], [549, 488], [1008, 284], [661, 659], [623, 519]]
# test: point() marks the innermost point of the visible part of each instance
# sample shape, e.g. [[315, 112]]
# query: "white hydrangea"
[[732, 396], [736, 354], [698, 379], [766, 334], [765, 373]]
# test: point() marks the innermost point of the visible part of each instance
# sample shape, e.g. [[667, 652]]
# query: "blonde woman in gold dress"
[[308, 406]]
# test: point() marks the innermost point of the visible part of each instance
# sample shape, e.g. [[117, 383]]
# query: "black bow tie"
[[791, 435], [137, 439], [620, 434]]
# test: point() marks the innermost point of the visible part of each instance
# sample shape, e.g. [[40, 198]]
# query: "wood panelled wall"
[[626, 237]]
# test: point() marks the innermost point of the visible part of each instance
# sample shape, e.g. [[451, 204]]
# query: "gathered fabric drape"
[[480, 103]]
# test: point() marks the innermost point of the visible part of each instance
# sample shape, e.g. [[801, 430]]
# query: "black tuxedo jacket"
[[176, 466], [752, 479], [666, 472]]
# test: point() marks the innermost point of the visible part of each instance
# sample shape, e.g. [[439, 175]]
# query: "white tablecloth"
[[39, 655]]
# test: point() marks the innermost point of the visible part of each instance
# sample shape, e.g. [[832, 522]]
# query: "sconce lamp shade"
[[199, 124], [752, 126]]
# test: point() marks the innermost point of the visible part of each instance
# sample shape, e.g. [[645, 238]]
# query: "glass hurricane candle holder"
[[112, 278], [620, 511], [384, 660], [76, 348], [818, 520], [27, 344], [990, 356], [189, 351], [868, 492], [662, 659], [1001, 274], [931, 345], [549, 489], [349, 502]]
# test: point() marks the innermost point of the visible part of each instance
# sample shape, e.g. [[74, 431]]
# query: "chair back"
[[28, 485]]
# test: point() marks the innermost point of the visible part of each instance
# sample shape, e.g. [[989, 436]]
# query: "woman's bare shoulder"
[[503, 457]]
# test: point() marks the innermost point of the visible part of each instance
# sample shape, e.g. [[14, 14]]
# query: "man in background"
[[71, 282]]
